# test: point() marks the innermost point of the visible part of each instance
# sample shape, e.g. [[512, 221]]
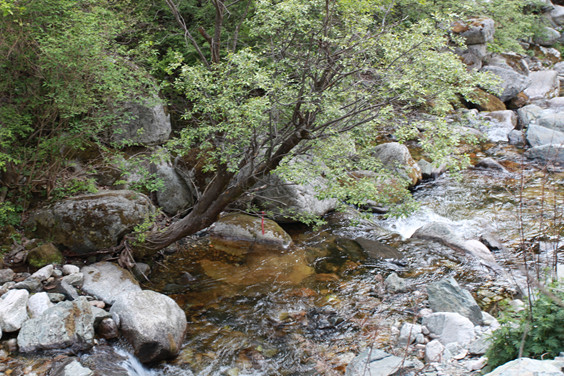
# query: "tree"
[[305, 75]]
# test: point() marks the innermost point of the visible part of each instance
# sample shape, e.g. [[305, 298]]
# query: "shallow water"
[[309, 311]]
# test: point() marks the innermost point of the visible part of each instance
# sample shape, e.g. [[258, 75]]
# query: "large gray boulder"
[[241, 233], [447, 296], [145, 123], [376, 362], [88, 223], [66, 326], [443, 233], [537, 136], [512, 82], [528, 114], [107, 281], [544, 85], [175, 194], [152, 323], [450, 327], [557, 15], [527, 367], [547, 154], [13, 310], [397, 158], [284, 200], [548, 38]]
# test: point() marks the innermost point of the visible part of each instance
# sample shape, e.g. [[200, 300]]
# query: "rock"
[[499, 125], [107, 328], [548, 38], [6, 275], [67, 290], [527, 367], [443, 233], [434, 352], [13, 310], [479, 50], [518, 101], [240, 234], [141, 271], [75, 280], [55, 297], [557, 15], [408, 333], [476, 365], [450, 327], [481, 345], [485, 101], [552, 119], [490, 321], [555, 103], [38, 303], [516, 138], [66, 326], [152, 323], [107, 281], [175, 196], [395, 284], [378, 250], [90, 222], [528, 113], [428, 170], [512, 82], [544, 85], [70, 269], [45, 254], [44, 273], [286, 200], [547, 154], [447, 296], [397, 158], [538, 135], [30, 284], [477, 30], [491, 164], [376, 362], [491, 241], [70, 367], [146, 123]]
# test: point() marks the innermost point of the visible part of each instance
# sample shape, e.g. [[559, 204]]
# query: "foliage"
[[61, 76], [540, 327]]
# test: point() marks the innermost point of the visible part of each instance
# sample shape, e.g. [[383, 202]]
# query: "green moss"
[[44, 255]]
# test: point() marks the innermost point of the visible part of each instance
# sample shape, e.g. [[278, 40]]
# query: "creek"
[[309, 311]]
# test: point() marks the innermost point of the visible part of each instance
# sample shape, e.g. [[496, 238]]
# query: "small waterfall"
[[133, 365]]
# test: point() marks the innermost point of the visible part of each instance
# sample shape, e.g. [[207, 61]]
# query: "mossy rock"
[[45, 254]]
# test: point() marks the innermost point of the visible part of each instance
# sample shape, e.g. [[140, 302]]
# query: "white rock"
[[450, 327], [13, 310], [475, 365], [526, 367], [434, 351], [107, 281], [490, 321], [43, 273], [38, 303], [544, 85], [408, 333], [76, 369], [70, 269]]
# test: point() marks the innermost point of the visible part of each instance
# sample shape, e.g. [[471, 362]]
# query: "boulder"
[[90, 222], [107, 281], [145, 123], [450, 327], [43, 273], [499, 124], [527, 367], [551, 118], [152, 323], [555, 103], [537, 136], [38, 303], [516, 138], [547, 154], [66, 326], [284, 200], [376, 362], [447, 296], [397, 158], [241, 233], [512, 82], [557, 15], [476, 30], [175, 195], [548, 38], [443, 233], [13, 310], [429, 170], [6, 275], [544, 85], [529, 113], [434, 351], [44, 255], [408, 333], [395, 284], [485, 101]]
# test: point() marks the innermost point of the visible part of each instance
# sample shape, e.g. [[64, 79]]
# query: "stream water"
[[309, 311]]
